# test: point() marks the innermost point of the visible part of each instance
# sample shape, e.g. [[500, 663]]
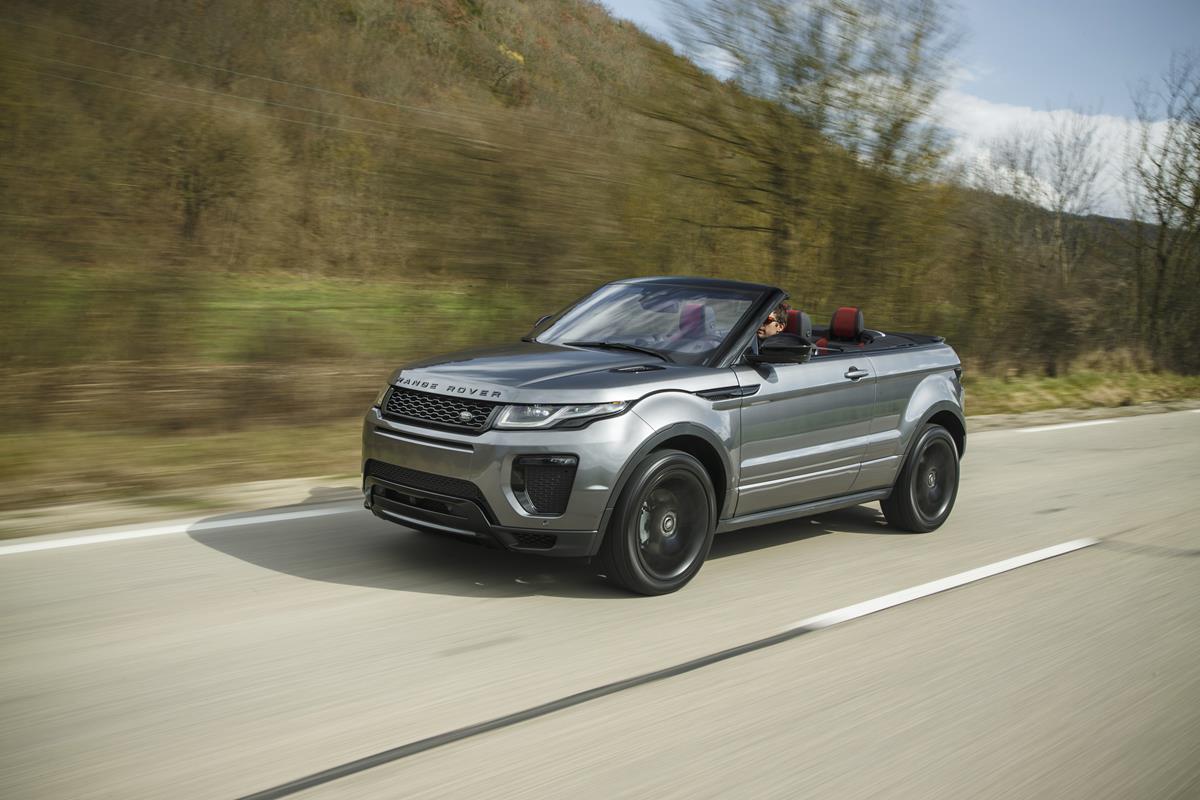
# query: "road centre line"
[[101, 535], [809, 625], [848, 613]]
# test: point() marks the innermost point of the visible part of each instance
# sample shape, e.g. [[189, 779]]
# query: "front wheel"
[[927, 485], [662, 527]]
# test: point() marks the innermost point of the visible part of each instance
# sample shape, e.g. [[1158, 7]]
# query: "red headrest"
[[847, 324], [691, 317], [798, 323]]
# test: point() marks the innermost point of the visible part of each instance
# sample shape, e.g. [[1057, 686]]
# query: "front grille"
[[542, 541], [438, 410], [549, 486], [438, 484]]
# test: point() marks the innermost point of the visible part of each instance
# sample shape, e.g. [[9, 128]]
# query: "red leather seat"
[[799, 323], [846, 328], [696, 319]]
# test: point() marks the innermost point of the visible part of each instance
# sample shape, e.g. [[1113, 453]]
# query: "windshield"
[[683, 324]]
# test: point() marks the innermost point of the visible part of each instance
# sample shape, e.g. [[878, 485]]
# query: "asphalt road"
[[221, 662]]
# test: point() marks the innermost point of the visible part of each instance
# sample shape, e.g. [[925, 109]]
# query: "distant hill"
[[236, 183]]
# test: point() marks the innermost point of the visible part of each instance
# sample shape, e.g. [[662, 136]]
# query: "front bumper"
[[462, 485]]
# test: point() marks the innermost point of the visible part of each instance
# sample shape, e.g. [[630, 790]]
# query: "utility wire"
[[194, 103], [573, 167], [261, 101], [217, 93], [279, 81]]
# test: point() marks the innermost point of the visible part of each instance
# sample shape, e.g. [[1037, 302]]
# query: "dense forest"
[[221, 213]]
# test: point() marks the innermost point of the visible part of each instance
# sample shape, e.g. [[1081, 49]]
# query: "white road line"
[[156, 529], [1065, 425], [857, 610]]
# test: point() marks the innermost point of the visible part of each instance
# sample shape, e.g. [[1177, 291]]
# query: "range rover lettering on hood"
[[448, 388]]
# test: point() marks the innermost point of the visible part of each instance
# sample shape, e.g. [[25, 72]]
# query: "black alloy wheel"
[[927, 486], [663, 526]]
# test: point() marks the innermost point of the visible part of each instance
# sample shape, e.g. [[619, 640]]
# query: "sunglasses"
[[772, 321]]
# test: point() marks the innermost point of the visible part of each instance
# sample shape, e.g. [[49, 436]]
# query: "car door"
[[804, 430]]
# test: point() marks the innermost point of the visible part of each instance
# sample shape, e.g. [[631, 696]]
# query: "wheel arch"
[[954, 424], [695, 440]]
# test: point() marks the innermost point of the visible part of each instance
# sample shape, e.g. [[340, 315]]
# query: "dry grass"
[[1085, 389], [52, 466], [71, 466]]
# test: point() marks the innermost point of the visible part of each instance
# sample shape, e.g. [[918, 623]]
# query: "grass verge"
[[50, 467], [67, 466], [987, 395]]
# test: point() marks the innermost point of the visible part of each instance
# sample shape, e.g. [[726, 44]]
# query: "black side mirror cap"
[[783, 348]]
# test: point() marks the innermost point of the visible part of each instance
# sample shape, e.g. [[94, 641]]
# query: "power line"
[[226, 70], [280, 81], [193, 103], [185, 87], [275, 117], [261, 101]]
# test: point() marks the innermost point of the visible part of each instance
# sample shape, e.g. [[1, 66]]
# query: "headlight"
[[544, 416], [382, 394]]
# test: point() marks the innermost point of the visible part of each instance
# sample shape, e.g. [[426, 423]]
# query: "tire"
[[662, 527], [927, 485]]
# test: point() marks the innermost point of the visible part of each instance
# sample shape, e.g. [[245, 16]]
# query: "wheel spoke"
[[671, 524], [933, 478]]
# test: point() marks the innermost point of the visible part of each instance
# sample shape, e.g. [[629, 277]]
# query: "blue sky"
[[1025, 66], [1044, 54], [1064, 53]]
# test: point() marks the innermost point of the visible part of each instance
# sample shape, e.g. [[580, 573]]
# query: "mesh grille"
[[549, 486], [542, 541], [439, 484], [439, 410]]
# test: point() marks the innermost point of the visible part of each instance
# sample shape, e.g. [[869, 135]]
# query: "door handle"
[[854, 373]]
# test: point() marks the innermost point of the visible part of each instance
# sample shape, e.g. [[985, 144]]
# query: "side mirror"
[[532, 331], [783, 348]]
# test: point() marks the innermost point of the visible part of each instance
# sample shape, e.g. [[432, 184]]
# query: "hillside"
[[220, 214]]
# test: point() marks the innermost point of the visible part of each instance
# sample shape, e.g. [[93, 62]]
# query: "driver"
[[775, 322]]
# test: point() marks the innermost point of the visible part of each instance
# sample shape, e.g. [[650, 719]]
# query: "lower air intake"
[[540, 541]]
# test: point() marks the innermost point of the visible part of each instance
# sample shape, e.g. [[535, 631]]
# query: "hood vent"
[[639, 368]]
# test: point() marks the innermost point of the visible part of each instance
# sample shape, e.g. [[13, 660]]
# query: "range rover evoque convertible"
[[646, 417]]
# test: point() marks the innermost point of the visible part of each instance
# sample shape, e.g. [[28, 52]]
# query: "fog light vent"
[[543, 483]]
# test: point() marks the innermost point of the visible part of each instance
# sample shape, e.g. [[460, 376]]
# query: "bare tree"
[[1058, 170], [1164, 201], [856, 75], [1045, 231]]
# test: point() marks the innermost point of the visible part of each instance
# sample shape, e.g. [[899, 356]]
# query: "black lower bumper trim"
[[456, 516]]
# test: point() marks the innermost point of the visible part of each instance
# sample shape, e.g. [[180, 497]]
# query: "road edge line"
[[101, 535]]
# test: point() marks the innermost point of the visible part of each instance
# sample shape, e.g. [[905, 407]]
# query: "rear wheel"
[[927, 486], [662, 527]]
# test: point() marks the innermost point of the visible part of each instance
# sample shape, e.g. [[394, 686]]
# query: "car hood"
[[531, 372]]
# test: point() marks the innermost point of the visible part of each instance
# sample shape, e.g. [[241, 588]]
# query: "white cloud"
[[975, 123]]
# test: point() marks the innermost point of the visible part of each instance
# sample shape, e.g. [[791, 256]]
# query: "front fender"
[[718, 429]]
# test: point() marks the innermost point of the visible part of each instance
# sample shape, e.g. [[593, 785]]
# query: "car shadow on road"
[[356, 549], [353, 548]]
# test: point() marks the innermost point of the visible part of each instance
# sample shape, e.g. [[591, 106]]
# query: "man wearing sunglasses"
[[775, 323]]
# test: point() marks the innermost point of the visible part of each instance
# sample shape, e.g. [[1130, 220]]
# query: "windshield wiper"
[[622, 346]]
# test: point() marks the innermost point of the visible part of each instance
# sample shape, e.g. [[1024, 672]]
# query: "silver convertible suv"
[[646, 417]]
